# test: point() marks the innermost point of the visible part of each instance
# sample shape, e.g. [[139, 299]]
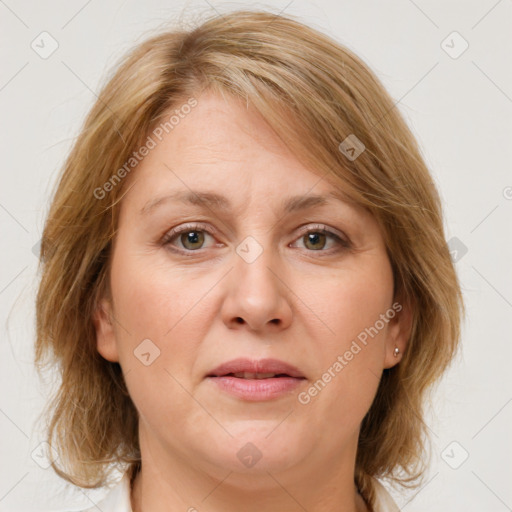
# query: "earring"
[[396, 352]]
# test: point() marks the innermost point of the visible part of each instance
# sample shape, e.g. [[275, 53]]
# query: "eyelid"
[[325, 229], [184, 228], [341, 238]]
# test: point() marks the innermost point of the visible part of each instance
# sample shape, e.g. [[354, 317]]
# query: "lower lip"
[[257, 389]]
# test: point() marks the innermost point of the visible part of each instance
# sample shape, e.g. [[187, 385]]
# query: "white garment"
[[118, 499]]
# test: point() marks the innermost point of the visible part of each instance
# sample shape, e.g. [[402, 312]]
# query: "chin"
[[257, 448]]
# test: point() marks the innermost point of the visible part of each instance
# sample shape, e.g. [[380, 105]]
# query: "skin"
[[300, 302]]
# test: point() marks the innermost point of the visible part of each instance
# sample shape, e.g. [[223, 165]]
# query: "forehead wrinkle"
[[208, 152], [213, 200]]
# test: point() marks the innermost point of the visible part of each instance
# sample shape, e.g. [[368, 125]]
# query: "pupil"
[[192, 237], [314, 238]]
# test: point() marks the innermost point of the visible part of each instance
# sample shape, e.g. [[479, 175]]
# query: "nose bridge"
[[255, 226], [254, 262], [257, 295]]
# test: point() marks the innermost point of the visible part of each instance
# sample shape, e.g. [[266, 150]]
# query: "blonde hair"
[[314, 93]]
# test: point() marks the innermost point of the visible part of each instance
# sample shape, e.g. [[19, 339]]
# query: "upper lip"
[[255, 366]]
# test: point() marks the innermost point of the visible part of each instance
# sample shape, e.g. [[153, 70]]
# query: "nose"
[[258, 297]]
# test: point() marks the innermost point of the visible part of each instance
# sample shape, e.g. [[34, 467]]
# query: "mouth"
[[243, 368], [256, 380], [257, 376]]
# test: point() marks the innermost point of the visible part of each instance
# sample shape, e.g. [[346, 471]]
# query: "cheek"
[[152, 299], [351, 354], [352, 300], [159, 331]]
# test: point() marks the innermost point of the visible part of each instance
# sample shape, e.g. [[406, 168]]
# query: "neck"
[[320, 484]]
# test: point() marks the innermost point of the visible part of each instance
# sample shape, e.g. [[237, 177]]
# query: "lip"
[[255, 366], [256, 389]]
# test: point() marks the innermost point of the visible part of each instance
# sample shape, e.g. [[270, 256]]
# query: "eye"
[[190, 236], [315, 238]]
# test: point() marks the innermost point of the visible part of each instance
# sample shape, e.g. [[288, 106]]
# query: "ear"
[[399, 332], [105, 333]]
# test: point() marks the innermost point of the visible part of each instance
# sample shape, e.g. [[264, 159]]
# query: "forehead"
[[224, 151]]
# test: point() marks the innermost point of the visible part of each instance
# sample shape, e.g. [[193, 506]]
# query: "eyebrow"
[[212, 200]]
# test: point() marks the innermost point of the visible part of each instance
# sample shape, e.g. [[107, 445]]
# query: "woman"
[[245, 279]]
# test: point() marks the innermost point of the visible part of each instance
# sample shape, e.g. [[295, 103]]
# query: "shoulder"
[[383, 500], [117, 499]]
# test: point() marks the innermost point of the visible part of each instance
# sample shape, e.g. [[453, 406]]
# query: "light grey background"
[[460, 109]]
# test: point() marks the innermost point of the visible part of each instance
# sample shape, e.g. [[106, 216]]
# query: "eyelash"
[[317, 228]]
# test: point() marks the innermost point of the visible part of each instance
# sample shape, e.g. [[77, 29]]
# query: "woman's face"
[[247, 278]]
